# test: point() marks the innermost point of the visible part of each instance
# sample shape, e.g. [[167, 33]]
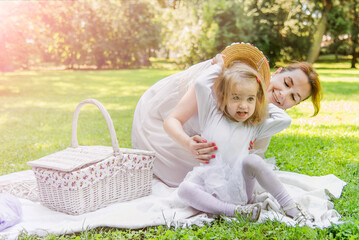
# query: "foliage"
[[118, 34], [125, 34], [35, 120], [282, 26], [15, 50], [344, 29], [337, 27], [322, 10], [276, 27]]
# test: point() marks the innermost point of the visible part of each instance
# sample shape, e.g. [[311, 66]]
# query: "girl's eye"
[[251, 99], [235, 98]]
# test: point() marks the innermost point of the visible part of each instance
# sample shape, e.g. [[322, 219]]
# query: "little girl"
[[233, 114]]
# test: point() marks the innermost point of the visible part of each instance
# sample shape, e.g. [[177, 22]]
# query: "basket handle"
[[107, 118]]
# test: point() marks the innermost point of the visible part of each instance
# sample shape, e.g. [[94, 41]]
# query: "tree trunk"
[[355, 33], [318, 36], [336, 43], [354, 54]]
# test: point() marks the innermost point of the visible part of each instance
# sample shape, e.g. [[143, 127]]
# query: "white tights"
[[254, 168]]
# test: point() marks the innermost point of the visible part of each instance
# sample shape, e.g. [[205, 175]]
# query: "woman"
[[175, 95]]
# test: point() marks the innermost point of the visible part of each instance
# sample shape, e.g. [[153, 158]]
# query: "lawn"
[[36, 110]]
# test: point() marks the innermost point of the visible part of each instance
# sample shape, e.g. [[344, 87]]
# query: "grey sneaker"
[[250, 211], [303, 218]]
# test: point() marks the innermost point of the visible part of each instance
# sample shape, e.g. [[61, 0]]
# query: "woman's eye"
[[293, 98], [285, 82]]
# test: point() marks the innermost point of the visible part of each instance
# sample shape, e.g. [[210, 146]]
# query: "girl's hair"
[[316, 89], [232, 75]]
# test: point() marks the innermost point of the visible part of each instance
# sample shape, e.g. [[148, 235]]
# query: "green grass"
[[35, 120]]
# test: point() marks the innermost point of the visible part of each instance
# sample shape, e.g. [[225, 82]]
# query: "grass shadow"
[[344, 90]]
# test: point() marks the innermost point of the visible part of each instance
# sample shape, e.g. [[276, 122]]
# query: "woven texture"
[[81, 179], [250, 55], [121, 186]]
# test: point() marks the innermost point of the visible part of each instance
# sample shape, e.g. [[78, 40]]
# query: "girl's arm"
[[173, 124], [276, 121], [186, 108]]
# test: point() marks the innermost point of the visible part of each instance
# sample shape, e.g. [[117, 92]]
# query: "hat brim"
[[250, 55]]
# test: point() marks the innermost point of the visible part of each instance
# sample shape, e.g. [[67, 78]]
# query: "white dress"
[[173, 161], [222, 176]]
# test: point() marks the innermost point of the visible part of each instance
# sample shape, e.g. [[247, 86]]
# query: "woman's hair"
[[316, 89], [234, 74]]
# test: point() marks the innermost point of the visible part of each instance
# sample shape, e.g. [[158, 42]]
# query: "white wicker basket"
[[81, 179]]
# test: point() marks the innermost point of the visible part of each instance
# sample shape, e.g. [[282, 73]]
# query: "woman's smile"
[[275, 97]]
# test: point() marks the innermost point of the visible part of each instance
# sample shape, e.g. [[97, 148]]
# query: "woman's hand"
[[251, 144], [218, 59], [200, 149]]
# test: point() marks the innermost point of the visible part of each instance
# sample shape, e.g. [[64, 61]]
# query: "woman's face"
[[288, 88]]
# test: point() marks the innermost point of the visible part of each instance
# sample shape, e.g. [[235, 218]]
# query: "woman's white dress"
[[173, 161], [223, 175]]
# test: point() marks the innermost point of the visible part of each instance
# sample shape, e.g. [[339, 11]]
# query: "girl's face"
[[288, 88], [242, 100]]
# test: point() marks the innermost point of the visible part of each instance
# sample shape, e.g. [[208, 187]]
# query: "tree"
[[280, 28], [325, 7], [354, 32], [338, 26], [118, 34], [183, 30], [15, 32]]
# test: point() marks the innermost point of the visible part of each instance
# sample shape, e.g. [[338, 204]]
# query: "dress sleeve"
[[203, 88], [276, 121], [260, 146]]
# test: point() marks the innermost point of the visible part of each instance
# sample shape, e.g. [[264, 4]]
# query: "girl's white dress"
[[223, 176]]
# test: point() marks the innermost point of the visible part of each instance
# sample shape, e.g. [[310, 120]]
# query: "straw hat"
[[249, 54]]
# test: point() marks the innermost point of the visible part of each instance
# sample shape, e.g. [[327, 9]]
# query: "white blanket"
[[162, 207]]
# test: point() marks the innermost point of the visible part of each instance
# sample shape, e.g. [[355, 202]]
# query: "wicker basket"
[[81, 179]]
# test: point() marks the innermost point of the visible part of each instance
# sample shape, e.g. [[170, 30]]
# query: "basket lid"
[[71, 158]]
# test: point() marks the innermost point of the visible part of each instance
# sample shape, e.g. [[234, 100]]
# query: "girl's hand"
[[201, 150], [218, 59]]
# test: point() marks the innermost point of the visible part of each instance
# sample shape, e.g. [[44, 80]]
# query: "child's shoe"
[[251, 211], [303, 218]]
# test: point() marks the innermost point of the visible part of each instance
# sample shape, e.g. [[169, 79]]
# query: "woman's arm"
[[173, 124]]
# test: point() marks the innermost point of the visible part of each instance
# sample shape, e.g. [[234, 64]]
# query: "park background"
[[53, 54], [127, 33]]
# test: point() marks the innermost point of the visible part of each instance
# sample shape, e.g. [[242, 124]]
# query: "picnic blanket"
[[162, 207]]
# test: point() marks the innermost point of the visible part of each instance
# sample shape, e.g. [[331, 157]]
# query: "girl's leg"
[[254, 168], [196, 197]]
